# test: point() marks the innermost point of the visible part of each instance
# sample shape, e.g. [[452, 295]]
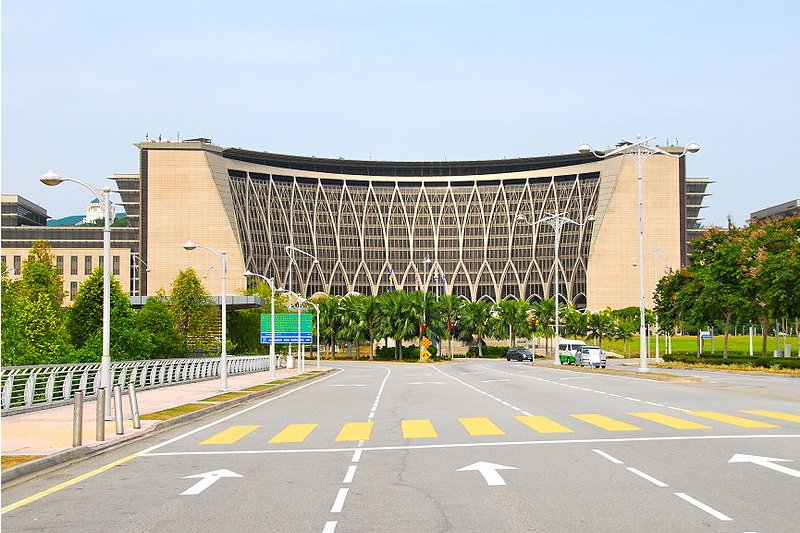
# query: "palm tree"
[[574, 322], [599, 325], [352, 322], [330, 316], [544, 310], [513, 314], [475, 317], [367, 313], [396, 319], [450, 307]]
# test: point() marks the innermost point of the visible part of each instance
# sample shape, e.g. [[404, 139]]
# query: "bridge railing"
[[26, 388]]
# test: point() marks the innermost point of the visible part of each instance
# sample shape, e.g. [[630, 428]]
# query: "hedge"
[[755, 362]]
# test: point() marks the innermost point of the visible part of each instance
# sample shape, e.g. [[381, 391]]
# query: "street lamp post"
[[137, 282], [271, 283], [104, 195], [290, 250], [223, 358], [424, 287], [316, 308], [556, 221], [639, 151]]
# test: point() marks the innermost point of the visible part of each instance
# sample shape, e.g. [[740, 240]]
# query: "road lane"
[[411, 471]]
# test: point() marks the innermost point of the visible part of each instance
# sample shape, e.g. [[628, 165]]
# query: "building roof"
[[785, 209]]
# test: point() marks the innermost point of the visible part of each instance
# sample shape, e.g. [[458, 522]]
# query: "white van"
[[593, 356], [569, 350]]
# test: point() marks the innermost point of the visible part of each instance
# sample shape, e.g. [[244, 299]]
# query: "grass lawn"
[[175, 411], [737, 345], [13, 460]]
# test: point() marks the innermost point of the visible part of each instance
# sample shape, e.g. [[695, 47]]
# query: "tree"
[[544, 314], [600, 325], [475, 317], [398, 318], [194, 311], [157, 319], [85, 323], [33, 321], [450, 307], [330, 318], [513, 316]]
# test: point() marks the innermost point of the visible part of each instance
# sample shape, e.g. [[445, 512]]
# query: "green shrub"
[[489, 352]]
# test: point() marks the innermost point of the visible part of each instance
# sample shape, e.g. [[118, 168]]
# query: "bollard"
[[100, 416], [77, 420], [118, 409], [137, 423]]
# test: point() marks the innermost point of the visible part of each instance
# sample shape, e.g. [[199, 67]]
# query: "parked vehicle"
[[519, 354], [568, 350], [593, 356]]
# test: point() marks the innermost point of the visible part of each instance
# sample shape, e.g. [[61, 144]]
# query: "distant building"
[[78, 249], [452, 225], [786, 209]]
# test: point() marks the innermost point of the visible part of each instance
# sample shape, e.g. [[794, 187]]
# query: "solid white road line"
[[476, 445], [700, 505], [649, 478]]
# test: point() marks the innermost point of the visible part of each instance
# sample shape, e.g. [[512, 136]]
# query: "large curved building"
[[371, 225]]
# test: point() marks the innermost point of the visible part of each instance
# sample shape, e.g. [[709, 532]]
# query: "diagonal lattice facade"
[[370, 234]]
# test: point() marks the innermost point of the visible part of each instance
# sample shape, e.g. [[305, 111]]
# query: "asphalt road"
[[471, 446]]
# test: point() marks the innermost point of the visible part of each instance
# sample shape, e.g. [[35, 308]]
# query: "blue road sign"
[[286, 338]]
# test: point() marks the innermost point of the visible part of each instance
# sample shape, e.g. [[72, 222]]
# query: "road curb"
[[84, 452]]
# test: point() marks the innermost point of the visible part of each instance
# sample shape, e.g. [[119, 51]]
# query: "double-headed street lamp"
[[137, 272], [556, 221], [639, 151], [290, 251], [223, 357], [271, 283], [104, 195]]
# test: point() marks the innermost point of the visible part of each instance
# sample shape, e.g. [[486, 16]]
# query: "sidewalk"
[[49, 432]]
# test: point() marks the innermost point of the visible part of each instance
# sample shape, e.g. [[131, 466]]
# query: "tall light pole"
[[271, 283], [424, 287], [316, 307], [223, 357], [556, 221], [104, 195], [290, 251], [639, 151]]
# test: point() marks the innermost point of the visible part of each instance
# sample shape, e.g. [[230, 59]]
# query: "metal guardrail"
[[25, 388]]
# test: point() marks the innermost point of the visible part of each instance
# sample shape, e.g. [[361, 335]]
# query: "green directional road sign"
[[286, 328]]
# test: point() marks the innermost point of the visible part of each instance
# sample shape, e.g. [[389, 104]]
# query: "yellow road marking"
[[355, 431], [671, 421], [604, 422], [293, 433], [543, 424], [418, 429], [730, 419], [480, 426], [776, 415], [66, 484], [230, 435]]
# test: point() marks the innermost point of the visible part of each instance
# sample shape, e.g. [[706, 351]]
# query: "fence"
[[26, 388]]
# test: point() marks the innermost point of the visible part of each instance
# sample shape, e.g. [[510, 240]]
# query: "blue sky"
[[402, 80]]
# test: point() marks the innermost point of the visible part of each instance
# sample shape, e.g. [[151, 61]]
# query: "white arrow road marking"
[[427, 383], [493, 380], [206, 480], [488, 471], [766, 462]]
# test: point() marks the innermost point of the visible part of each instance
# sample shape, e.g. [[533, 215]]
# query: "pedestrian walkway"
[[49, 431]]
